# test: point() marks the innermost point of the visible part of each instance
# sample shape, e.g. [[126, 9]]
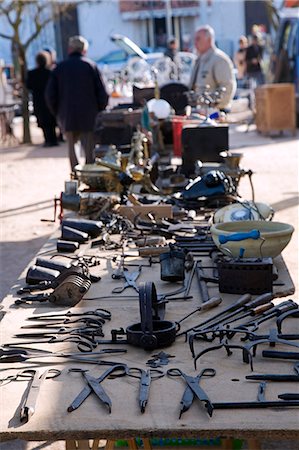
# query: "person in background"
[[172, 48], [240, 60], [53, 63], [213, 67], [36, 82], [75, 94], [254, 55]]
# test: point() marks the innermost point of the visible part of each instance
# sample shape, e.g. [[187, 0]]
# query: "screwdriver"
[[211, 303], [260, 300]]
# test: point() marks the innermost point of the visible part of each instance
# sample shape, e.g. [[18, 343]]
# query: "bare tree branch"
[[5, 36]]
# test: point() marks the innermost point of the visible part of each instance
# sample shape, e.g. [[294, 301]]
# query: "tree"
[[16, 12]]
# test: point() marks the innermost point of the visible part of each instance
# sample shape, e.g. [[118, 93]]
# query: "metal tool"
[[94, 385], [271, 339], [130, 278], [11, 354], [276, 376], [280, 355], [283, 307], [193, 390], [238, 304], [260, 403], [258, 301], [280, 319], [247, 357], [145, 376], [211, 303], [99, 312], [36, 380], [85, 342], [202, 284]]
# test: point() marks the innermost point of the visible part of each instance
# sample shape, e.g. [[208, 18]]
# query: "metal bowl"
[[98, 178], [258, 238]]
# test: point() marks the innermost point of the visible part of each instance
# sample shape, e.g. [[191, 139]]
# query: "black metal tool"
[[145, 376], [241, 301], [202, 284], [211, 303], [260, 403], [276, 376], [193, 390], [130, 281], [282, 317], [247, 357], [258, 301], [253, 312], [271, 339], [36, 380], [94, 385], [253, 324], [280, 355], [99, 312], [11, 354], [289, 396]]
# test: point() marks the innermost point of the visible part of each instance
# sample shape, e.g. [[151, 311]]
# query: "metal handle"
[[253, 234]]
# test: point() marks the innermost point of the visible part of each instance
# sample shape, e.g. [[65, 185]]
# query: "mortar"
[[230, 237]]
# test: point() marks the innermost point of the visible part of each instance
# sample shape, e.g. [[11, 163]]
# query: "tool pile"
[[154, 268]]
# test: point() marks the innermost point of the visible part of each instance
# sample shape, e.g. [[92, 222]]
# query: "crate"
[[275, 108]]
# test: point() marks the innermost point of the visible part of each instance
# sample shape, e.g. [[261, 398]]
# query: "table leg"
[[226, 443], [253, 444]]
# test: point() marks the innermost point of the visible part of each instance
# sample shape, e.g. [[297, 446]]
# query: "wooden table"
[[51, 420]]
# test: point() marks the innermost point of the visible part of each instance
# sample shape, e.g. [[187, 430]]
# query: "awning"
[[159, 13]]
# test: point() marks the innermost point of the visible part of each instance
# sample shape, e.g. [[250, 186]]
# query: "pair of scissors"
[[84, 342], [193, 389], [130, 278], [94, 385], [145, 376], [99, 312], [36, 380]]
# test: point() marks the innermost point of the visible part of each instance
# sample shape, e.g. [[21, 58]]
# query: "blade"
[[28, 407], [99, 391], [145, 382]]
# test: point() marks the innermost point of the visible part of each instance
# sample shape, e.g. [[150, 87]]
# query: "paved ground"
[[32, 175]]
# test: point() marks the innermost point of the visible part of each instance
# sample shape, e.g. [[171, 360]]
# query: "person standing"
[[254, 55], [240, 60], [172, 48], [75, 94], [213, 67], [36, 82]]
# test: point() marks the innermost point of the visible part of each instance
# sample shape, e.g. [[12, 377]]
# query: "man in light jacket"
[[75, 94], [213, 67]]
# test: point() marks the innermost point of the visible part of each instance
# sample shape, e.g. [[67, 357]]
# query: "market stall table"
[[52, 421]]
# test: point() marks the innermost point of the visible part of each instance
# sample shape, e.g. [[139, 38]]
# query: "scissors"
[[84, 343], [193, 389], [130, 278], [99, 312], [94, 385], [145, 376], [36, 380]]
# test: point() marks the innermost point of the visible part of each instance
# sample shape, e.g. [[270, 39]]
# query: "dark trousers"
[[50, 134], [87, 141]]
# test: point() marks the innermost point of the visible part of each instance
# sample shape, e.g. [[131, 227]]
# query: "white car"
[[135, 65]]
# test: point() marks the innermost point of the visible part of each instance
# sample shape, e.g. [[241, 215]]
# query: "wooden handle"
[[214, 301]]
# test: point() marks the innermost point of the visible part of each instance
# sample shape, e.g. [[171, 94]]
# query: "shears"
[[193, 390]]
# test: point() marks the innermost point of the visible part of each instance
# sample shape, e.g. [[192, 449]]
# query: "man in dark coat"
[[75, 94], [36, 82], [254, 55]]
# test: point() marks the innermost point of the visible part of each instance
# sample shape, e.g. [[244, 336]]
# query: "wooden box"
[[275, 108]]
